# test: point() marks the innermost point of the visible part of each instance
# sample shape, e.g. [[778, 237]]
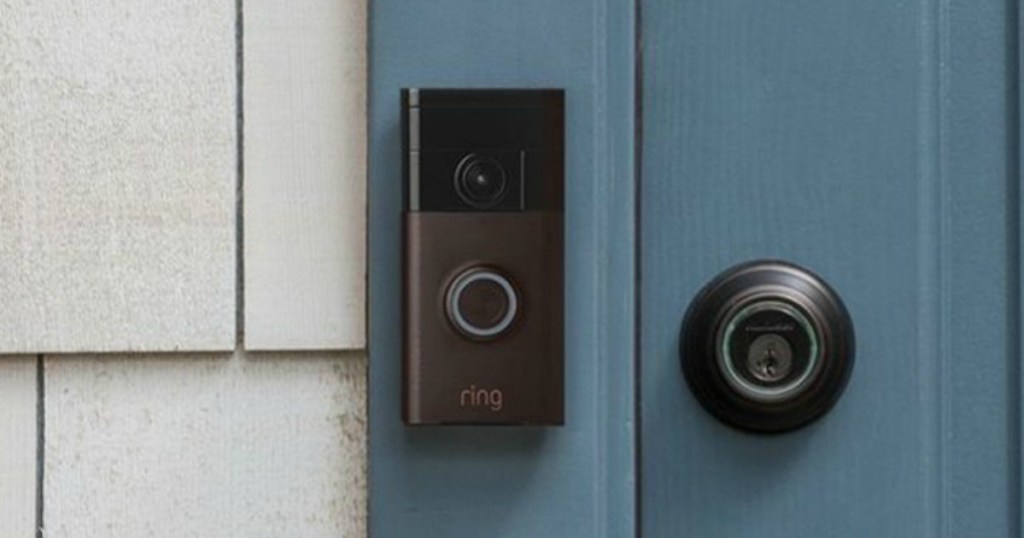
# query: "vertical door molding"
[[304, 174], [1019, 170], [979, 279], [573, 481]]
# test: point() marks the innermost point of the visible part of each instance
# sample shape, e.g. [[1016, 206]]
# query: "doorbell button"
[[482, 304]]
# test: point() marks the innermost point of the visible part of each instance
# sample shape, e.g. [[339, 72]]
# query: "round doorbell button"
[[482, 303]]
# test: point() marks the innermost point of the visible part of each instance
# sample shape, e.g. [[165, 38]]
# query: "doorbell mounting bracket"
[[483, 248]]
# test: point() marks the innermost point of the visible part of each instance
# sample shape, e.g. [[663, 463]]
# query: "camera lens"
[[480, 181]]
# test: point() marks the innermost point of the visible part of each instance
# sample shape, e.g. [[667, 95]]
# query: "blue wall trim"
[[575, 481]]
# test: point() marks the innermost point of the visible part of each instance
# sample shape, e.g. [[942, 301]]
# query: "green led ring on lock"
[[768, 392]]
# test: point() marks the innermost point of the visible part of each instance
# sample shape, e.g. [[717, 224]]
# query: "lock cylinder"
[[768, 350], [767, 346]]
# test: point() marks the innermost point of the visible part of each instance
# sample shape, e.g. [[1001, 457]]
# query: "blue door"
[[872, 142]]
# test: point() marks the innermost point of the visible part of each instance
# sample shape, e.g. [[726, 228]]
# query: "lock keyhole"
[[767, 365], [770, 358]]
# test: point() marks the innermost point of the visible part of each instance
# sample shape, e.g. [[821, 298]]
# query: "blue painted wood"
[[1019, 307], [575, 481], [875, 142]]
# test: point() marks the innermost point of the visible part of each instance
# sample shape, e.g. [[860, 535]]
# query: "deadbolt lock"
[[767, 346]]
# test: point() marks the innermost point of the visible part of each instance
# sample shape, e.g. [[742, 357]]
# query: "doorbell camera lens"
[[480, 181]]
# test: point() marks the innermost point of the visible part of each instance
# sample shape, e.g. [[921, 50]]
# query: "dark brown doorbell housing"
[[483, 256]]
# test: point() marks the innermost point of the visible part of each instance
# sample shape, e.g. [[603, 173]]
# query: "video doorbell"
[[483, 244]]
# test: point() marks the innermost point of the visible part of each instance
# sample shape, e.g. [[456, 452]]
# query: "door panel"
[[565, 482], [873, 142]]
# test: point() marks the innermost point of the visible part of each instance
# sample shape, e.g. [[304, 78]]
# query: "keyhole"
[[770, 358], [768, 362]]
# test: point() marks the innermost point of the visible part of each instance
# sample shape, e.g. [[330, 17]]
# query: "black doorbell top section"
[[483, 150]]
